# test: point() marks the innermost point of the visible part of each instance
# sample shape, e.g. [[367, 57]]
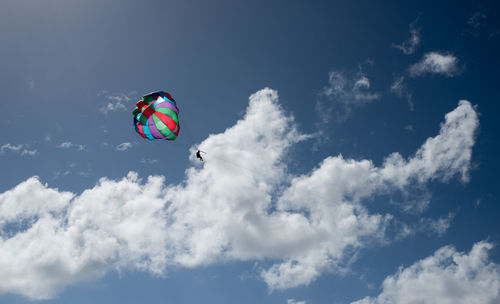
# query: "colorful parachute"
[[156, 116]]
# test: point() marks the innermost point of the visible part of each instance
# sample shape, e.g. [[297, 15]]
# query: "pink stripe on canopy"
[[154, 130], [167, 104]]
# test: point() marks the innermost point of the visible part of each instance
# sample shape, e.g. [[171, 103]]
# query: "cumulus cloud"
[[443, 156], [343, 93], [21, 149], [409, 46], [333, 201], [447, 277], [293, 301], [63, 239], [124, 146], [436, 63], [240, 204]]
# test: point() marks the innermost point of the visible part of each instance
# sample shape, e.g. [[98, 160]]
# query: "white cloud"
[[240, 204], [116, 103], [476, 20], [87, 173], [292, 301], [349, 90], [399, 88], [149, 161], [436, 63], [438, 226], [336, 218], [65, 145], [409, 128], [61, 173], [15, 148], [447, 277], [409, 46], [119, 98], [110, 107], [124, 146], [68, 145], [443, 156], [476, 24], [69, 239], [22, 149], [343, 93], [28, 199], [432, 226], [29, 152]]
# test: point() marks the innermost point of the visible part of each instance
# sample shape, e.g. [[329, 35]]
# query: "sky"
[[351, 152]]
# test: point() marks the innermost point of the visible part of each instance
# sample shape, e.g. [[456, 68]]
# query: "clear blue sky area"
[[351, 152]]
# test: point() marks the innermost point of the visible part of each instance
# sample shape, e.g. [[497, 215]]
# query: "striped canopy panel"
[[156, 116]]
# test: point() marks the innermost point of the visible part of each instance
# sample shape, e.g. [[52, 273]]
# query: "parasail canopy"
[[156, 116]]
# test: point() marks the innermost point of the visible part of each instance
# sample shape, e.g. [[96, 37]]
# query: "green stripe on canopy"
[[169, 112], [161, 126]]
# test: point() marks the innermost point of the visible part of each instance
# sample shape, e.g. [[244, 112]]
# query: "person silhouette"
[[198, 154]]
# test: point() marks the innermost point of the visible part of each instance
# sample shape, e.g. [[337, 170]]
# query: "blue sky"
[[351, 152]]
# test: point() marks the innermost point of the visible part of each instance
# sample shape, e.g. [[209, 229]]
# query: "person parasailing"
[[198, 154]]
